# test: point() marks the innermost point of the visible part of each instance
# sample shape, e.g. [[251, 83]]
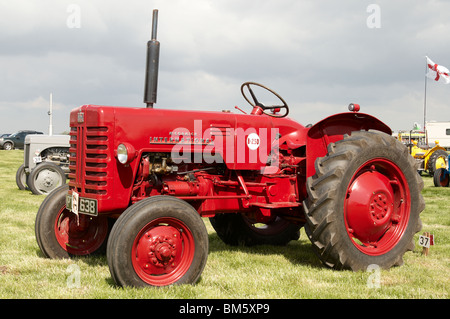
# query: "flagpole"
[[425, 96]]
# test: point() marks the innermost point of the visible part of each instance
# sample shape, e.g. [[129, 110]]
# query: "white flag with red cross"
[[437, 72]]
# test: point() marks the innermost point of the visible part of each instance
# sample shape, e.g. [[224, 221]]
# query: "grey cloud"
[[320, 55]]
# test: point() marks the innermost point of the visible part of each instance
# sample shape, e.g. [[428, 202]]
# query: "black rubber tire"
[[134, 219], [8, 146], [431, 165], [21, 178], [39, 187], [327, 191], [46, 217], [438, 179], [237, 229]]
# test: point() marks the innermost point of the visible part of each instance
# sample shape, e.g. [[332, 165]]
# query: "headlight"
[[125, 153], [122, 154]]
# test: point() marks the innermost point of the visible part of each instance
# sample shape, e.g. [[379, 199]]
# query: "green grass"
[[263, 272]]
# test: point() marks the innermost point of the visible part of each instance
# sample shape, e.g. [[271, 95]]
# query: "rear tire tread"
[[322, 192]]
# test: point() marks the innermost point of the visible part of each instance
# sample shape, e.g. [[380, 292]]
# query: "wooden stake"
[[425, 250]]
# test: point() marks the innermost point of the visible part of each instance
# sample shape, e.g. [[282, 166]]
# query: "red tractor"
[[141, 179]]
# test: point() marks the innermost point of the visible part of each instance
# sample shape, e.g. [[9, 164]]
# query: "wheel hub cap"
[[369, 205], [381, 207], [163, 251], [376, 207], [158, 250]]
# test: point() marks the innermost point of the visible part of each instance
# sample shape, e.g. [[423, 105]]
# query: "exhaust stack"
[[151, 73]]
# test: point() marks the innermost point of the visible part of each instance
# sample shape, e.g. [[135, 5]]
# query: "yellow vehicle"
[[429, 159]]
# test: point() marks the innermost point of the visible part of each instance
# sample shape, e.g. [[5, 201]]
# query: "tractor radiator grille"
[[89, 158], [26, 150]]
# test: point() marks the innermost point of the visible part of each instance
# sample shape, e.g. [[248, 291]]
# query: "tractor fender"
[[430, 152], [431, 156], [332, 129]]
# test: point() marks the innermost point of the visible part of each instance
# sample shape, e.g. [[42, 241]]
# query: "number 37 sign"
[[426, 240]]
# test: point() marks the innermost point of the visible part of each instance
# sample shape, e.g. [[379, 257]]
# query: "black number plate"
[[82, 205]]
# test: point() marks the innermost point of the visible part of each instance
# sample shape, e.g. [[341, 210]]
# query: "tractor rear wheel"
[[238, 229], [364, 202], [437, 160], [46, 177], [158, 241]]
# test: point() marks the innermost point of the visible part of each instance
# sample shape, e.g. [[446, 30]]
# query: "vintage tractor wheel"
[[45, 177], [364, 202], [437, 160], [238, 229], [158, 241], [61, 234], [21, 177], [441, 178]]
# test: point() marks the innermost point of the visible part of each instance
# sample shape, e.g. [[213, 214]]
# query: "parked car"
[[16, 140]]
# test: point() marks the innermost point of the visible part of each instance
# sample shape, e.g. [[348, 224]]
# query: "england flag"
[[437, 72]]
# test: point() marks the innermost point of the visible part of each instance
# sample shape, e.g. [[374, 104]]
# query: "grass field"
[[231, 272]]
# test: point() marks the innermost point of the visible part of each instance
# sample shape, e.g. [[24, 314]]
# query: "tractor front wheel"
[[62, 234], [441, 178], [158, 241], [21, 177], [364, 202]]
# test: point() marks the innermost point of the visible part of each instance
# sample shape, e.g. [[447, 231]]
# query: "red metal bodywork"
[[214, 167], [332, 129]]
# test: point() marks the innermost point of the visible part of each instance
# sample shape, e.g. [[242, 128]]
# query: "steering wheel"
[[258, 107]]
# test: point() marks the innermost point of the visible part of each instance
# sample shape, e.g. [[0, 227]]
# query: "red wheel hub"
[[80, 235], [163, 251], [376, 207]]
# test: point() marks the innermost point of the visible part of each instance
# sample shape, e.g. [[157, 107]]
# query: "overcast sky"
[[319, 55]]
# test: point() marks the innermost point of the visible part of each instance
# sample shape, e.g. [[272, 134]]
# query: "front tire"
[[441, 178], [60, 234], [364, 202], [158, 241], [21, 177], [8, 146]]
